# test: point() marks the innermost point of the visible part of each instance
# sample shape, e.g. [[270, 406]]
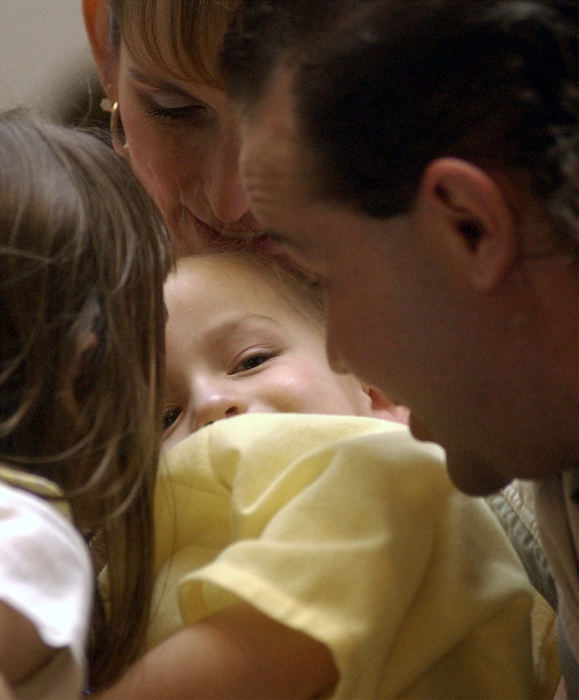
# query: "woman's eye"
[[185, 113], [170, 415], [179, 107]]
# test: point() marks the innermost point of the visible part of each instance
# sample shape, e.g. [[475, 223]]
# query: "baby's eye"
[[170, 415], [251, 362]]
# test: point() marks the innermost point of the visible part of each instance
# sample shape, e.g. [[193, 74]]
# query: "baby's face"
[[234, 346]]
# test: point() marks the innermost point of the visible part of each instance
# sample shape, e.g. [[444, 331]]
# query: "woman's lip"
[[207, 231], [197, 236], [208, 237], [278, 249], [224, 236], [266, 244]]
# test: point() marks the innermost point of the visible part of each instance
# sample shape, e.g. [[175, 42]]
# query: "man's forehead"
[[271, 156], [272, 117], [277, 100]]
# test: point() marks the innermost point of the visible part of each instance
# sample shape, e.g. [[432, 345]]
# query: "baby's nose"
[[217, 407], [229, 413]]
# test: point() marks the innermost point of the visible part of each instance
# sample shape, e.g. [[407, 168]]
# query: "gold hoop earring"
[[118, 137]]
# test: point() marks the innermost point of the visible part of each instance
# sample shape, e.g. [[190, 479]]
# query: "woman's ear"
[[382, 407], [97, 23], [470, 206]]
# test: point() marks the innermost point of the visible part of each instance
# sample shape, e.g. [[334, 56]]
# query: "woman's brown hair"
[[83, 256], [195, 29]]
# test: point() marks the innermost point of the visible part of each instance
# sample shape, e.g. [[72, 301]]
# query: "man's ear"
[[474, 211], [97, 23]]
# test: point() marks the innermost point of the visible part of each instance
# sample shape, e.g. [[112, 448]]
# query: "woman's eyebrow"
[[157, 83]]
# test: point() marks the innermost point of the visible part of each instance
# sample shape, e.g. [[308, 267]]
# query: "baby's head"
[[245, 335]]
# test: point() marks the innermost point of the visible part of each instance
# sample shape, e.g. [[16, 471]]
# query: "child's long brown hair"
[[83, 256]]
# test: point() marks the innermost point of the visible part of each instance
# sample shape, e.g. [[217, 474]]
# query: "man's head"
[[381, 89], [418, 157]]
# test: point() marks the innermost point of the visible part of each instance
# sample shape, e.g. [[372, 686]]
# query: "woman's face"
[[183, 142]]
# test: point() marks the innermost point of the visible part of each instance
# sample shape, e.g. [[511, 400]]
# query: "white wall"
[[42, 45]]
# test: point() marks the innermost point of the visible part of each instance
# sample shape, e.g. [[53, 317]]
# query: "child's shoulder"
[[30, 488], [32, 507], [45, 579]]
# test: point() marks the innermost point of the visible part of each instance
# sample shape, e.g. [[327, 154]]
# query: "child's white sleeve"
[[45, 575]]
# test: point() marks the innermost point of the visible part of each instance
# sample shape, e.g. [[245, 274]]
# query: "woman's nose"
[[216, 406]]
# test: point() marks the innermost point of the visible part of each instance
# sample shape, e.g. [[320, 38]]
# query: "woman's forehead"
[[182, 37]]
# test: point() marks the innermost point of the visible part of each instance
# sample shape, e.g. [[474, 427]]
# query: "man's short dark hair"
[[384, 87]]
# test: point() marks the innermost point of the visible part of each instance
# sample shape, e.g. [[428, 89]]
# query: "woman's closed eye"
[[185, 114], [175, 106]]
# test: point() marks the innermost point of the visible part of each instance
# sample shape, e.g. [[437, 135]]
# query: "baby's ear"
[[382, 407]]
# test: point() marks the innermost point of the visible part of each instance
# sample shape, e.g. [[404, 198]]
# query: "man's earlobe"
[[475, 213]]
